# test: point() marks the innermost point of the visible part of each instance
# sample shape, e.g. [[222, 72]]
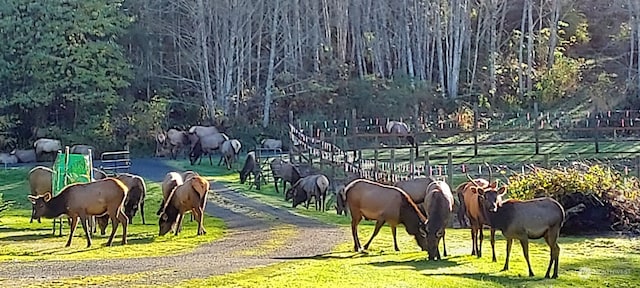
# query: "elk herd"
[[425, 205]]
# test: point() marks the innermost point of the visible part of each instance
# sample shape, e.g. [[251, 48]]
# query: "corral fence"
[[384, 157]]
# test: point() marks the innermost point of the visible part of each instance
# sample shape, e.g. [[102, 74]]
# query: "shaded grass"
[[584, 261], [24, 241]]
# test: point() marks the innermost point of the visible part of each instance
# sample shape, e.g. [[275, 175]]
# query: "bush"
[[611, 200]]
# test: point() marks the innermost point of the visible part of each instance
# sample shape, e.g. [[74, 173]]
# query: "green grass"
[[584, 261], [24, 241]]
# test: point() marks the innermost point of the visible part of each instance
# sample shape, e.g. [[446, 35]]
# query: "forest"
[[114, 72]]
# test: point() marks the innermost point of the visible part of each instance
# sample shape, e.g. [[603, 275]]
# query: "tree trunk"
[[209, 102], [268, 95]]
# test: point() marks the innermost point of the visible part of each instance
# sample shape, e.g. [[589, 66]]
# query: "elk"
[[437, 205], [523, 220], [477, 218], [385, 204]]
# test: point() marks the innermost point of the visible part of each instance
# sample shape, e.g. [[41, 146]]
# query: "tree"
[[62, 63]]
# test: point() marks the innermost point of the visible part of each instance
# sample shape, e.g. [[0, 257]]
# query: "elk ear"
[[47, 197], [32, 199], [502, 191]]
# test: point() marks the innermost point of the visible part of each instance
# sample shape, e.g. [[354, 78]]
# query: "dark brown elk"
[[171, 181], [133, 202], [284, 170], [437, 204], [416, 188], [385, 204], [524, 220], [476, 215], [312, 186], [250, 167], [190, 196], [83, 200]]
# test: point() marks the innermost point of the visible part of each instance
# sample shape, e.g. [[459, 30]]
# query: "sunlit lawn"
[[584, 261], [24, 241]]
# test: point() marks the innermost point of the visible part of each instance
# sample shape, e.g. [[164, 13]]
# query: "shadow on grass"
[[506, 280], [13, 229], [417, 264], [27, 237]]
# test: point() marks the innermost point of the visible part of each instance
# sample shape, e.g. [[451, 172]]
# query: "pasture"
[[24, 241], [592, 261]]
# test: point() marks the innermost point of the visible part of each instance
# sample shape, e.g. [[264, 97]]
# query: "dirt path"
[[251, 226]]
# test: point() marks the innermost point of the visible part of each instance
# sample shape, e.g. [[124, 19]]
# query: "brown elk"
[[250, 167], [524, 220], [177, 141], [83, 200], [385, 204], [190, 196], [475, 213], [438, 204], [133, 202], [312, 186]]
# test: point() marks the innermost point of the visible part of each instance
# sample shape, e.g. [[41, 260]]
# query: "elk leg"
[[393, 233], [124, 219], [493, 244], [142, 211], [474, 240], [379, 224], [210, 161], [197, 212], [179, 225], [275, 183], [525, 250], [87, 228], [444, 246], [506, 260], [552, 240], [114, 226], [355, 220], [74, 223], [480, 238]]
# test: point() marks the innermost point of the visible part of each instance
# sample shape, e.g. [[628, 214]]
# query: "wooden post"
[[535, 127], [392, 166], [360, 162], [450, 168], [546, 160], [596, 135], [412, 164], [475, 129], [353, 121], [427, 165], [333, 158], [375, 163]]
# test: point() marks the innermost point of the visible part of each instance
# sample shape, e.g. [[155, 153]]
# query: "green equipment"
[[69, 169]]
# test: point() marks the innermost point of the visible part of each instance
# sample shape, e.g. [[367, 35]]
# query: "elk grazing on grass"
[[83, 200], [477, 218], [190, 196], [284, 170], [437, 204], [385, 204], [39, 184], [523, 220], [133, 202], [312, 186], [250, 167]]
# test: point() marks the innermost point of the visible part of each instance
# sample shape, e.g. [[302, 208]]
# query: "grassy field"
[[24, 241], [584, 261]]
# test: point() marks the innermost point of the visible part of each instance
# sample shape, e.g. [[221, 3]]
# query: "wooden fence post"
[[333, 158], [392, 166], [412, 164], [360, 163], [375, 164], [353, 121], [546, 160], [475, 129], [427, 165], [535, 127], [450, 168]]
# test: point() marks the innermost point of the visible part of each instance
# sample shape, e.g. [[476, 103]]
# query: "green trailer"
[[69, 169]]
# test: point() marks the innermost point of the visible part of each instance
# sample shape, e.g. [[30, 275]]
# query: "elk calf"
[[524, 220]]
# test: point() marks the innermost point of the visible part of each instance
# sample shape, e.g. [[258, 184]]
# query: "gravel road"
[[250, 224]]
